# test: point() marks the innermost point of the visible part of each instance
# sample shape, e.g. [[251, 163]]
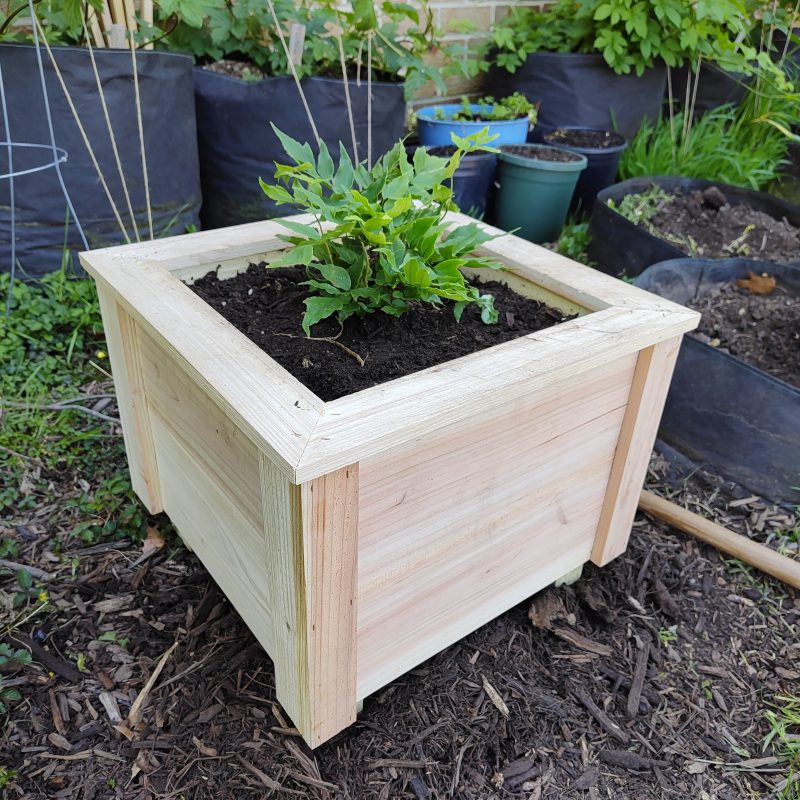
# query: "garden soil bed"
[[763, 330], [544, 702], [702, 224], [540, 153], [267, 306]]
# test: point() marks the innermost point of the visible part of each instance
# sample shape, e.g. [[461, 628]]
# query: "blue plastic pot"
[[472, 180], [436, 132]]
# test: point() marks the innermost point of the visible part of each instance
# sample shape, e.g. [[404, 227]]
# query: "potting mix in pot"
[[756, 319], [704, 224], [379, 291]]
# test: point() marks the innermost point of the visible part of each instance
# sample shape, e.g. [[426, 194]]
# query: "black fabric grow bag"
[[619, 247], [238, 146], [579, 90], [716, 87], [722, 413], [168, 122]]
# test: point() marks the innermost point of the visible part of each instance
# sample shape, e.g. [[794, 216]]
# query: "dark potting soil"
[[763, 330], [267, 307], [242, 70], [540, 153], [703, 224], [572, 137]]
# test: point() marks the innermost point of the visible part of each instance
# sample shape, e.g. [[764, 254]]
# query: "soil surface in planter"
[[763, 330], [584, 138], [703, 224], [540, 153], [267, 307]]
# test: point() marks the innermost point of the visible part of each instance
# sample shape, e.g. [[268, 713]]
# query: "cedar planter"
[[360, 536]]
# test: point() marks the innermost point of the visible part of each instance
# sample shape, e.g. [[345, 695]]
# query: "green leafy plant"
[[515, 106], [393, 38], [10, 659], [381, 242], [784, 737], [573, 241], [631, 36]]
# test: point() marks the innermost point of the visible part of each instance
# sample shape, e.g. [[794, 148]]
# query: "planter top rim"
[[426, 113], [621, 141], [306, 437], [577, 164]]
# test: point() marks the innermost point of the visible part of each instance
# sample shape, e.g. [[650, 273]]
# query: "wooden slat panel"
[[273, 408], [223, 538], [311, 533], [654, 369], [123, 347], [365, 424], [422, 587], [202, 427]]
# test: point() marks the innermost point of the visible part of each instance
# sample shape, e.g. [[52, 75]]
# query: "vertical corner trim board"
[[651, 379], [123, 346], [311, 556]]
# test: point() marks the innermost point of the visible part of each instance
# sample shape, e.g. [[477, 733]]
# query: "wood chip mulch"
[[647, 679]]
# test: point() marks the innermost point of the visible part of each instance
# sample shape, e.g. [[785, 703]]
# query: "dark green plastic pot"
[[533, 194]]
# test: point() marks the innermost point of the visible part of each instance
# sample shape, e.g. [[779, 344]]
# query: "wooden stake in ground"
[[734, 544]]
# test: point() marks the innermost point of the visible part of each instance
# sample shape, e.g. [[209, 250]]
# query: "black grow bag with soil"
[[238, 145], [170, 140], [722, 413], [579, 90], [619, 247]]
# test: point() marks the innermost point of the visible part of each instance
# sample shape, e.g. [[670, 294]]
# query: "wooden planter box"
[[359, 537]]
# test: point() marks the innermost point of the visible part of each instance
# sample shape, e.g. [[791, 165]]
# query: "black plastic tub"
[[170, 142], [618, 247], [238, 145], [601, 170], [724, 414], [472, 180], [579, 90]]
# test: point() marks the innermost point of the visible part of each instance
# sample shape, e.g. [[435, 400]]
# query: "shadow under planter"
[[738, 420], [238, 145], [579, 90], [359, 537], [534, 188], [170, 144], [620, 247]]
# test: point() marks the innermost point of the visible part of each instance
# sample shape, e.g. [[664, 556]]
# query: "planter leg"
[[123, 349], [651, 380], [571, 577], [312, 580]]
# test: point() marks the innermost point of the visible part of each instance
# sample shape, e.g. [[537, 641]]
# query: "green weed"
[[784, 737], [52, 351]]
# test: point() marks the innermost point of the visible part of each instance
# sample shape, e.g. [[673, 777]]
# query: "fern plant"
[[380, 242]]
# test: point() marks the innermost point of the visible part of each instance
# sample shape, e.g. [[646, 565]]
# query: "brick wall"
[[467, 22]]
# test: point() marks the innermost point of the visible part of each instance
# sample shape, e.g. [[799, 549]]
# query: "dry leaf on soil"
[[757, 284], [153, 542]]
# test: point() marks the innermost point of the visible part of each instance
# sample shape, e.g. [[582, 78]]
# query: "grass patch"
[[68, 460], [784, 737]]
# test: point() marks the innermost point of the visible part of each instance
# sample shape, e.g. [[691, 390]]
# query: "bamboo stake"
[[734, 544]]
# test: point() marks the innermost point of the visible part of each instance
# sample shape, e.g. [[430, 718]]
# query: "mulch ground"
[[646, 679]]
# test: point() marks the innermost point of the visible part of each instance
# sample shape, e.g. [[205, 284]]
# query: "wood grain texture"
[[123, 348], [654, 368], [456, 529], [364, 424], [272, 407], [313, 582], [209, 519]]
